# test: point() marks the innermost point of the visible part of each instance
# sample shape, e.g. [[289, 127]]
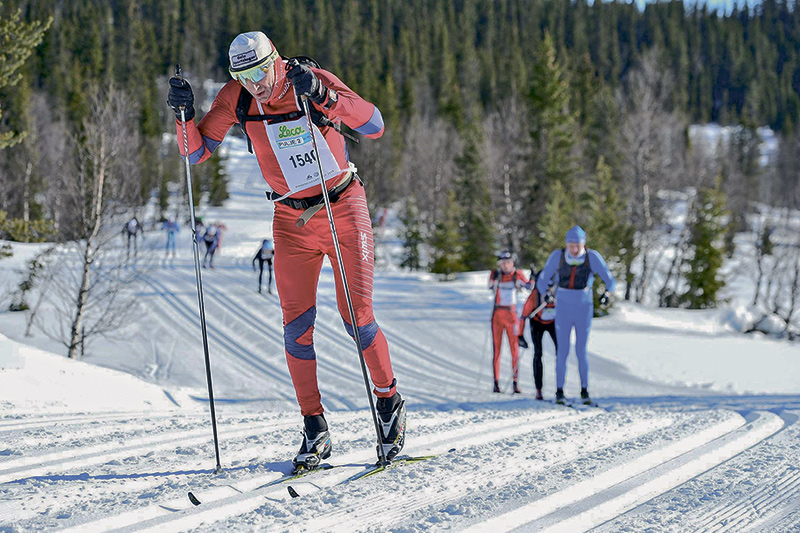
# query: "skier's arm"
[[360, 115], [205, 136], [530, 304], [599, 267], [549, 270]]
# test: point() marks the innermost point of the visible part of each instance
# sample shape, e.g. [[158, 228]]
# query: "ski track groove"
[[160, 518], [361, 515], [599, 499], [34, 466], [74, 420]]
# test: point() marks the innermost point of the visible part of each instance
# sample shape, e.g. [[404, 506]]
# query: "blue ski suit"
[[574, 277]]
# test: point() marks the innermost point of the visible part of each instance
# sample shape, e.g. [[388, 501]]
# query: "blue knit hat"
[[576, 234]]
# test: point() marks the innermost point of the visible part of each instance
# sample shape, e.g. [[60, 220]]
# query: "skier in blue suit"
[[573, 269]]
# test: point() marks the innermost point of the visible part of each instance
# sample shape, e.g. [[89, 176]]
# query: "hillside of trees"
[[508, 121]]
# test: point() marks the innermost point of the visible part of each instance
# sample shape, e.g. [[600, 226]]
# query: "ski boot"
[[516, 388], [392, 418], [539, 395], [316, 444], [496, 386], [585, 397], [522, 342], [560, 400]]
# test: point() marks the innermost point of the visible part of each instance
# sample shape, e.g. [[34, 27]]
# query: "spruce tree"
[[708, 226], [472, 195], [448, 251], [412, 236]]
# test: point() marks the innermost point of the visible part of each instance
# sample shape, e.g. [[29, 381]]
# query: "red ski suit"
[[299, 252], [504, 315]]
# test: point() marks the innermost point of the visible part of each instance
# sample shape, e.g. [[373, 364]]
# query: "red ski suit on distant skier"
[[504, 315], [299, 251]]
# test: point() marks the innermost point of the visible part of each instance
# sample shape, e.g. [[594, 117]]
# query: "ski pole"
[[199, 279], [345, 286]]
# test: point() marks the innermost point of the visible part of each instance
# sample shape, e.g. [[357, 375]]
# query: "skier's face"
[[261, 89], [575, 248], [506, 265]]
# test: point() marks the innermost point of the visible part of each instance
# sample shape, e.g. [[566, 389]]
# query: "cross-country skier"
[[574, 268], [132, 229], [541, 322], [171, 227], [264, 254], [278, 131], [505, 281], [211, 237]]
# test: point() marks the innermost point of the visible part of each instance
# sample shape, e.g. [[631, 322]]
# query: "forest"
[[507, 121]]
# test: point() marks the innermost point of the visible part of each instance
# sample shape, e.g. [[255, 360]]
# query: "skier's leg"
[[497, 343], [583, 324], [260, 274], [537, 333], [298, 265], [269, 280], [563, 330], [510, 327], [354, 228]]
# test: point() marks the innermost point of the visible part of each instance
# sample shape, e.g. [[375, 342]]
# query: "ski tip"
[[193, 499], [292, 492]]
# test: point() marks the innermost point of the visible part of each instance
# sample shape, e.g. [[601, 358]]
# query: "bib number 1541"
[[301, 160]]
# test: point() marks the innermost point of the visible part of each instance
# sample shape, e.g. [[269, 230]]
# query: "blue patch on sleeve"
[[373, 125]]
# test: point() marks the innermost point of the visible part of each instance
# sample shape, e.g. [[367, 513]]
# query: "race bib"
[[294, 149]]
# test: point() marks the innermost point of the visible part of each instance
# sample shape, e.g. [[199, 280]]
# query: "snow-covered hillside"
[[697, 430]]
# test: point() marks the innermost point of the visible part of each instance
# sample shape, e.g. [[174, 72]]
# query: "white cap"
[[249, 50]]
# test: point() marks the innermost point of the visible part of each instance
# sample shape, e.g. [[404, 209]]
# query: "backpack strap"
[[317, 117]]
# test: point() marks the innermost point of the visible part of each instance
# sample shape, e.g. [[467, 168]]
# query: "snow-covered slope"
[[697, 430]]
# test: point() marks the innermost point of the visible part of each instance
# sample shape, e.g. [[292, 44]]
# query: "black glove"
[[605, 298], [495, 274], [306, 82], [549, 298], [522, 342], [181, 95]]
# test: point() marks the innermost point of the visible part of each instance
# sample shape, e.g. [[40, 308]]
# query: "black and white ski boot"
[[585, 397], [316, 444], [560, 400], [517, 389], [392, 419], [496, 386]]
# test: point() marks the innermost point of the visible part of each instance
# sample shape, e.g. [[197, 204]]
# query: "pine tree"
[[708, 227], [412, 236], [559, 215], [448, 252], [17, 41], [218, 180], [472, 195]]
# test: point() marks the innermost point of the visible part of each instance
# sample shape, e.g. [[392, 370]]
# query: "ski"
[[374, 469], [294, 475]]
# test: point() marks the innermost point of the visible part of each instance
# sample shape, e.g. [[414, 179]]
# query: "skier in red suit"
[[506, 281], [277, 130]]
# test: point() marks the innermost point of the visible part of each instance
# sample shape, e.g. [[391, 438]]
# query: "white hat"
[[250, 50]]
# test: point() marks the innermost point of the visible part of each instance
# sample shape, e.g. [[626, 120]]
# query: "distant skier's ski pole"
[[345, 286], [199, 280]]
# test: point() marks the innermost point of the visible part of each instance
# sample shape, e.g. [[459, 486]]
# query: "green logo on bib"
[[286, 131]]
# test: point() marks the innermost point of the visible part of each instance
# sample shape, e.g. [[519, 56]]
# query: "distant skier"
[[211, 238], [506, 280], [171, 227], [574, 268], [541, 322], [264, 254], [132, 229]]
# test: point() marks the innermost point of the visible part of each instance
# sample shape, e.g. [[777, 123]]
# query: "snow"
[[697, 429]]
